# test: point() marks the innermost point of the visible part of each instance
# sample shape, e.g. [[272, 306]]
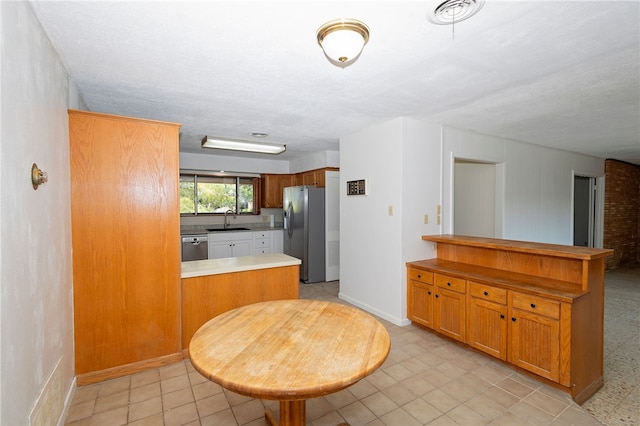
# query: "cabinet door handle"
[[437, 295], [513, 319], [501, 316], [429, 293], [449, 284], [486, 293], [419, 276], [533, 305]]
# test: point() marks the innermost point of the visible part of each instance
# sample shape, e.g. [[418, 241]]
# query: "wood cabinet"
[[420, 297], [538, 306], [487, 319], [125, 237], [450, 306], [271, 185], [204, 297], [534, 334]]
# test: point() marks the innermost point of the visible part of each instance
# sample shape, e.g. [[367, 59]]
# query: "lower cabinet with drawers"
[[541, 312]]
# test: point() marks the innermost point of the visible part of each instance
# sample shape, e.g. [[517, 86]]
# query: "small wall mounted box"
[[357, 187]]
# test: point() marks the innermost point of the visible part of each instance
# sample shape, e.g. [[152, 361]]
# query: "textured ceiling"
[[564, 74]]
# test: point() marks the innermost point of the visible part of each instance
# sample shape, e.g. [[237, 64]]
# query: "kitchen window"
[[204, 194]]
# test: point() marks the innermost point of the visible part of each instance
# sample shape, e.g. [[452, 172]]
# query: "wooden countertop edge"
[[199, 268], [498, 278], [556, 250]]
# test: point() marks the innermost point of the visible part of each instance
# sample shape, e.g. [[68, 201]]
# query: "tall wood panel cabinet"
[[125, 236]]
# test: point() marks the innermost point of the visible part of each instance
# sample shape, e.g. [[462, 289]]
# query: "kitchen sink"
[[227, 229]]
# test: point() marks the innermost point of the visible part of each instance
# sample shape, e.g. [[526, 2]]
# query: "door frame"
[[596, 219]]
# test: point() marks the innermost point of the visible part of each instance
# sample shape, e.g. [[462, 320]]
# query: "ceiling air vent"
[[454, 11]]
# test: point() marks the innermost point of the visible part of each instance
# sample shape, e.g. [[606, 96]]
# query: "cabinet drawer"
[[455, 284], [486, 292], [536, 305], [422, 276], [261, 234], [261, 242]]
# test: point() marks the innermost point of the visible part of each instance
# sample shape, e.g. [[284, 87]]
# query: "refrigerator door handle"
[[290, 219]]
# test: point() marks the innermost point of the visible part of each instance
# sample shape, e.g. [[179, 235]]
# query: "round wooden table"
[[289, 350]]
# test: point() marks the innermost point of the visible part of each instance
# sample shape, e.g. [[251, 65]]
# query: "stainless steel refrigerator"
[[304, 230]]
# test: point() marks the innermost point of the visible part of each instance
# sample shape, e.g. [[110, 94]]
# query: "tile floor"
[[425, 380]]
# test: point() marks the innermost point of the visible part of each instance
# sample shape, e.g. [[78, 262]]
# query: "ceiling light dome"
[[342, 40]]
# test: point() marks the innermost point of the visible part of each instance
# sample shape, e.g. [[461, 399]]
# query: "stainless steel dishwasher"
[[195, 247]]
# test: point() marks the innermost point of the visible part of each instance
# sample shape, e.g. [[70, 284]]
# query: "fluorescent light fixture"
[[238, 145]]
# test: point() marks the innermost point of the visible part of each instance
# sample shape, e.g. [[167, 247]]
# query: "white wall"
[[400, 161], [231, 164], [474, 201], [314, 161], [36, 309], [537, 184]]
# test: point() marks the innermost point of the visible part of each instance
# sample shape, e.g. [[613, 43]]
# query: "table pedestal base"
[[292, 413]]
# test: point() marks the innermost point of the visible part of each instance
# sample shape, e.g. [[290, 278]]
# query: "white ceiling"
[[564, 74]]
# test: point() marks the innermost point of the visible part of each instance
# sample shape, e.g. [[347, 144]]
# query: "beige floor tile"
[[420, 384], [175, 383], [362, 389], [330, 419], [221, 418], [80, 411], [318, 407], [145, 408], [114, 417], [504, 398], [399, 393], [85, 393], [341, 399], [514, 387], [441, 400], [530, 413], [155, 420], [206, 389], [546, 403], [381, 380], [111, 402], [235, 398], [486, 407], [173, 370], [212, 404], [400, 417], [357, 414], [379, 404], [145, 378], [422, 411], [248, 411], [142, 393], [114, 386], [177, 398], [577, 416], [181, 415], [466, 416], [511, 419]]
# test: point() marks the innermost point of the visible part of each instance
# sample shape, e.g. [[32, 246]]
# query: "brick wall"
[[622, 213]]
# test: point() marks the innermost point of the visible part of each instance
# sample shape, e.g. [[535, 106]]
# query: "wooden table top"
[[289, 349]]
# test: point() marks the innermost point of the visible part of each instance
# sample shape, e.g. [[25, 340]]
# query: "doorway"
[[474, 198], [584, 211]]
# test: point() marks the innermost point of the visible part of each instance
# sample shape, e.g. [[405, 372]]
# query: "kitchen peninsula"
[[211, 287], [539, 307]]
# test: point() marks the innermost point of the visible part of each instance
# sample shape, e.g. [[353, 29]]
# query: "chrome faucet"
[[226, 224]]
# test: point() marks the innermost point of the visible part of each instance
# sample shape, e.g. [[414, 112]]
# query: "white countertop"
[[198, 268]]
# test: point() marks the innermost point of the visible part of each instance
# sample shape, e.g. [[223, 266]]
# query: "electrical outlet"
[[425, 220], [390, 210]]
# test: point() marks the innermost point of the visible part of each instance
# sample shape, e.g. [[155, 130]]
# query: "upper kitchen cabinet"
[[271, 186], [125, 236]]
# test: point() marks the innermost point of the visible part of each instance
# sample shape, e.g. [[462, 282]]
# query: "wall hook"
[[38, 177]]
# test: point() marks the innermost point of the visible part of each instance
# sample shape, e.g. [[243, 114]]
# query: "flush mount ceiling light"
[[454, 11], [238, 145], [342, 40]]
